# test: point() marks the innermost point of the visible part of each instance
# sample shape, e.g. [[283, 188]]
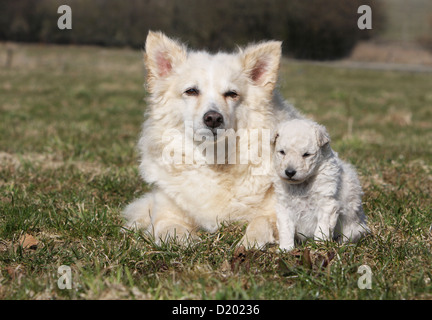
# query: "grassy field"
[[69, 122]]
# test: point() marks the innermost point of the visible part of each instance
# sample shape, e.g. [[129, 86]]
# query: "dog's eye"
[[282, 152], [192, 92], [231, 94], [305, 155]]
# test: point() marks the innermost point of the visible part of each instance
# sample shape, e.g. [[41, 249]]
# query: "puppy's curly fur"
[[318, 195]]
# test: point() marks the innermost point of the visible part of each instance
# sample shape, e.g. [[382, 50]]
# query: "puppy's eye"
[[305, 155], [231, 94], [192, 92], [282, 152]]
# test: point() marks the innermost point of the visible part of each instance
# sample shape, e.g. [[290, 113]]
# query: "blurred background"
[[313, 29]]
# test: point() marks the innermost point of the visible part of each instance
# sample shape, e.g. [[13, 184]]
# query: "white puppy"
[[318, 195]]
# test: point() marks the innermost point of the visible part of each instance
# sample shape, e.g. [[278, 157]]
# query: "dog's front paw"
[[260, 232], [174, 232], [251, 243]]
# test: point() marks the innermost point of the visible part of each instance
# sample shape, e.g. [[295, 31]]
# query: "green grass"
[[69, 122]]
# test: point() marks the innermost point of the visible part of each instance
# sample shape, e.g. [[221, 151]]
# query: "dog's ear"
[[162, 55], [274, 137], [261, 63], [322, 135]]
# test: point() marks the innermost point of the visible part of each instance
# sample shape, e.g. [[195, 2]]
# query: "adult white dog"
[[318, 195], [218, 93]]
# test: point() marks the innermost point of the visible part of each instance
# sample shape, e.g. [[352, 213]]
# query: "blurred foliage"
[[313, 29], [327, 29], [426, 40]]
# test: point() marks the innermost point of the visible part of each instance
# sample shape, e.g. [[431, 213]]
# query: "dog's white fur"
[[318, 195], [188, 197]]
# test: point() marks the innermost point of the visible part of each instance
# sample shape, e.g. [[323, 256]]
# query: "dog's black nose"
[[213, 119], [290, 173]]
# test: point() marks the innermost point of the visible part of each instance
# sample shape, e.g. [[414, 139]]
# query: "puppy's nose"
[[213, 119], [290, 173]]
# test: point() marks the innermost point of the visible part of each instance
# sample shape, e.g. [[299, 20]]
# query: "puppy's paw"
[[320, 235]]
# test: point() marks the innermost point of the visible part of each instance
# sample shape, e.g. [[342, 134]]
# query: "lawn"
[[69, 122]]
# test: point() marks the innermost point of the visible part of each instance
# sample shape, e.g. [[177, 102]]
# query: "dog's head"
[[299, 146], [212, 91]]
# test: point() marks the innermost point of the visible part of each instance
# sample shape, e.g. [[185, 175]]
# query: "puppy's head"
[[298, 149], [214, 91]]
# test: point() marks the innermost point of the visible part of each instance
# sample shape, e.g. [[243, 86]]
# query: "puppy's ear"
[[162, 55], [261, 63], [322, 135]]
